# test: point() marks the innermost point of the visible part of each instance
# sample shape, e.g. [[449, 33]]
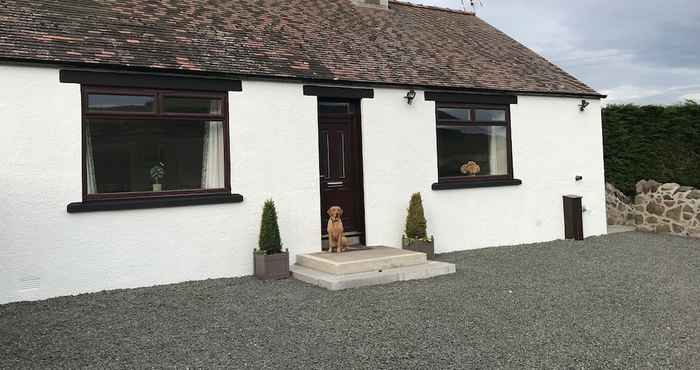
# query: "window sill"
[[144, 203], [469, 184]]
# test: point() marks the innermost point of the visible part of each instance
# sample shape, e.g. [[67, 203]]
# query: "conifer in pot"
[[415, 236], [270, 261]]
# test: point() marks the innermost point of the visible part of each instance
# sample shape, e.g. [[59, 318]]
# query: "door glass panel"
[[337, 158], [333, 107], [324, 153]]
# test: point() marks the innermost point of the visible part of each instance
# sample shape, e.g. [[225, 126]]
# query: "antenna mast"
[[466, 4]]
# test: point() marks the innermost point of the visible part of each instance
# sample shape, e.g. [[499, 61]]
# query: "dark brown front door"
[[340, 161]]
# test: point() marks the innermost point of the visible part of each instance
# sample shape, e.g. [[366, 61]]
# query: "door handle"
[[334, 183]]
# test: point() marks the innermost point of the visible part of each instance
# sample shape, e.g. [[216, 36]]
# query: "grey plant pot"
[[272, 266], [417, 245]]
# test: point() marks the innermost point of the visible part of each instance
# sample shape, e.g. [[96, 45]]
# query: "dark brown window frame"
[[159, 94], [460, 182]]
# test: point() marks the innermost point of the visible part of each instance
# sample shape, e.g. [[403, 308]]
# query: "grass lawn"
[[624, 300]]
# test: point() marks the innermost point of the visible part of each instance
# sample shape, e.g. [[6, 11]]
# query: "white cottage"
[[141, 138]]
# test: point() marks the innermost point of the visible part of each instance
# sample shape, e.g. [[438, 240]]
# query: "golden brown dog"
[[336, 236]]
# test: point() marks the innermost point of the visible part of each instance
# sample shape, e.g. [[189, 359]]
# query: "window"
[[333, 107], [154, 143], [473, 142]]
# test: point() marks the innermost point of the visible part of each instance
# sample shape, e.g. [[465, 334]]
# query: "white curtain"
[[498, 151], [90, 162], [213, 160]]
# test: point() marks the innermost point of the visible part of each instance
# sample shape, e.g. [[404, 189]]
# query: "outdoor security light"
[[583, 105], [410, 96]]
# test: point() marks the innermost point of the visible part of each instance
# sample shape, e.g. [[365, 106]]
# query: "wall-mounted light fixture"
[[583, 105], [410, 95]]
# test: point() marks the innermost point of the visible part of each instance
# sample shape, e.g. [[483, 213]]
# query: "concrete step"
[[366, 260], [338, 282]]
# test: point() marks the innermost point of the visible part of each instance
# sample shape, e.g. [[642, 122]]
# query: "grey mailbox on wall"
[[573, 217]]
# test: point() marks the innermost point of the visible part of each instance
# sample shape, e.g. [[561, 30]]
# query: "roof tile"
[[310, 39]]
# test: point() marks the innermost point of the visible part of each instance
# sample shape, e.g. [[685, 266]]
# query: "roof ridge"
[[431, 7]]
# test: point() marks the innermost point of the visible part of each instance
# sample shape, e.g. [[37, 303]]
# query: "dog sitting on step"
[[336, 233]]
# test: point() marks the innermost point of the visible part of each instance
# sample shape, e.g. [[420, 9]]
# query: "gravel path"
[[624, 300]]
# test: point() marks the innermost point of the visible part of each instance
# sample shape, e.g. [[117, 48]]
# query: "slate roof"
[[321, 40]]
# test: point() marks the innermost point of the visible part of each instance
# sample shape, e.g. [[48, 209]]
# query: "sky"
[[635, 51]]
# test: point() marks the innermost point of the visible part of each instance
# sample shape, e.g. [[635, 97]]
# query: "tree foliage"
[[415, 220], [652, 142], [269, 241]]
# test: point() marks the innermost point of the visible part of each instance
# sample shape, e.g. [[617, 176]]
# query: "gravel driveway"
[[624, 300]]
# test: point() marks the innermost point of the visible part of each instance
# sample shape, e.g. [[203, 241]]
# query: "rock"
[[655, 209], [684, 189], [694, 233], [674, 213], [663, 228], [638, 219], [645, 186], [614, 195], [645, 228], [663, 208], [670, 187]]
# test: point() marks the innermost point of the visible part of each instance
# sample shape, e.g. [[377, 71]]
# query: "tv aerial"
[[466, 4]]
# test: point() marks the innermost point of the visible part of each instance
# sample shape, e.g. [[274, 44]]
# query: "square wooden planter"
[[417, 245], [272, 266]]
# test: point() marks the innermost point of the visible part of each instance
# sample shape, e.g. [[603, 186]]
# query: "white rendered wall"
[[552, 143], [45, 252]]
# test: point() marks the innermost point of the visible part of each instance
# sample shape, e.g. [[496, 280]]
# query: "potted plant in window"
[[415, 237], [157, 173], [270, 261]]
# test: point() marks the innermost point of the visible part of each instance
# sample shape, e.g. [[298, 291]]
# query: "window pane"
[[178, 104], [472, 151], [129, 155], [490, 115], [458, 114], [333, 107], [120, 103]]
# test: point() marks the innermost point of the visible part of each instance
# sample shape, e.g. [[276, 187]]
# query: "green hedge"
[[652, 142]]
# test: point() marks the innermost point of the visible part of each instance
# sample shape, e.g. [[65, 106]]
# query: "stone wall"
[[663, 208], [619, 207]]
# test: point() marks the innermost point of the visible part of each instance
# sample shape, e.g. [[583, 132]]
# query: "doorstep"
[[338, 282], [365, 267], [364, 260]]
